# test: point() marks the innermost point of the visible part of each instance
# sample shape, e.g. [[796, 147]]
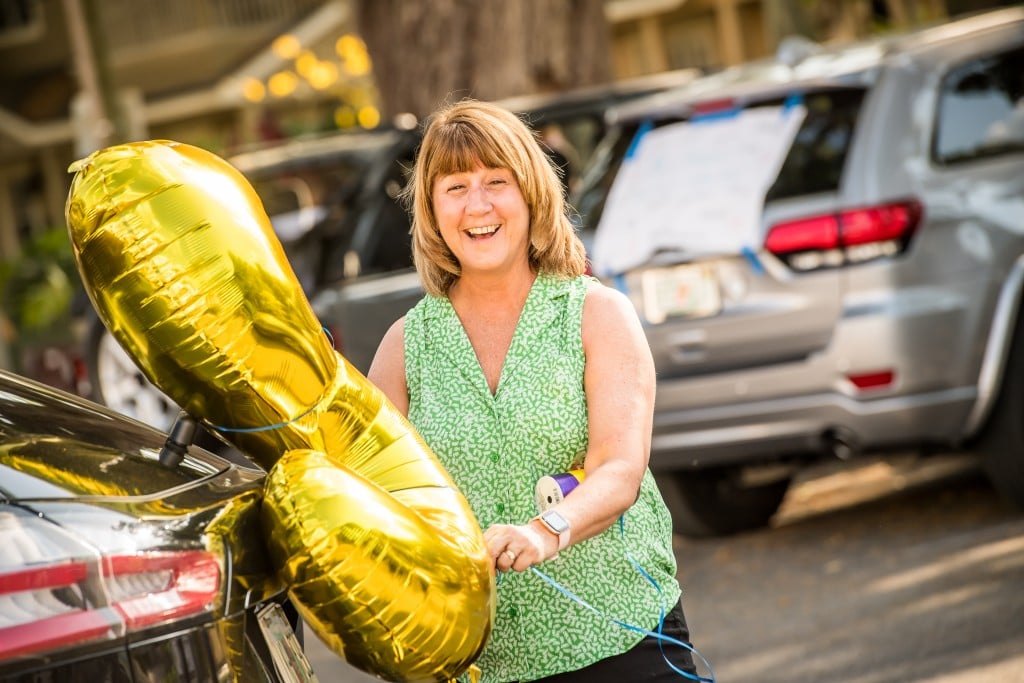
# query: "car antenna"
[[180, 436]]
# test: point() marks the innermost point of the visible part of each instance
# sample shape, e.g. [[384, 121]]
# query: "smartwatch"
[[556, 524]]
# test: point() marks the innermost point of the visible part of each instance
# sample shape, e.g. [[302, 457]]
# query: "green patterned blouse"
[[497, 446]]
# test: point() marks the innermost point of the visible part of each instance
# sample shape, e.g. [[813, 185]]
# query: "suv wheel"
[[718, 501], [121, 386], [1002, 443]]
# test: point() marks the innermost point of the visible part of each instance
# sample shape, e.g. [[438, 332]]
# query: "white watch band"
[[562, 530]]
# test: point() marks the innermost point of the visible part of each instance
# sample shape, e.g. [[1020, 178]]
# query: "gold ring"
[[511, 555]]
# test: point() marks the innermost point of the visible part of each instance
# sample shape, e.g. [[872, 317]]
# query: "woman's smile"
[[483, 231]]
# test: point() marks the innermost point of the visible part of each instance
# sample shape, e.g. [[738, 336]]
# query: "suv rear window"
[[816, 158], [981, 109], [814, 162], [665, 181]]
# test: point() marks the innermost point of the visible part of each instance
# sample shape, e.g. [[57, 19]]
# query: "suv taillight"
[[845, 238], [78, 601]]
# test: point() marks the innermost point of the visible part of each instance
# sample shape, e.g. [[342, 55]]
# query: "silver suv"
[[827, 252]]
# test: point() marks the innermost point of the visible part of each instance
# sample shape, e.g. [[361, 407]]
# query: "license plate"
[[289, 659], [689, 290]]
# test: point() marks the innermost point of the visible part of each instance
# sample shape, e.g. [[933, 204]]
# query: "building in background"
[[660, 35], [76, 75]]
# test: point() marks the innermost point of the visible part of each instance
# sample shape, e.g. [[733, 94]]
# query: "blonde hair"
[[457, 138]]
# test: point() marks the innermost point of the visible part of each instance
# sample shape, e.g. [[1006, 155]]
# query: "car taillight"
[[845, 238], [70, 603], [872, 380]]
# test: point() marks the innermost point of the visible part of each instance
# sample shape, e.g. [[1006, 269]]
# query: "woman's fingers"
[[514, 548]]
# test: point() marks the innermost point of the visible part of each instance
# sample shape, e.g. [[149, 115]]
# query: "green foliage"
[[37, 287]]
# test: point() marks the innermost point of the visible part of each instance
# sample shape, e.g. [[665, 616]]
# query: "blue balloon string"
[[330, 337], [659, 636], [277, 425]]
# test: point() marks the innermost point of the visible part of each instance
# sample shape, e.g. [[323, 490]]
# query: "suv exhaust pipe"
[[840, 443]]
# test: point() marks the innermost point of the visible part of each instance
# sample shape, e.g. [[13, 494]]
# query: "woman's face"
[[483, 218]]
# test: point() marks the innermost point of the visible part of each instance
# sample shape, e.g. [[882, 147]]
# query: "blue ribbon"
[[661, 637], [277, 425]]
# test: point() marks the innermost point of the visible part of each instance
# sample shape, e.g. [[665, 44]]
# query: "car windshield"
[[299, 180], [657, 185]]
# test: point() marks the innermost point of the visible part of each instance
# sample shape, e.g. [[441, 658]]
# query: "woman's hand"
[[519, 547]]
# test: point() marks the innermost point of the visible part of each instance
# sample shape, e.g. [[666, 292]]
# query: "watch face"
[[555, 522]]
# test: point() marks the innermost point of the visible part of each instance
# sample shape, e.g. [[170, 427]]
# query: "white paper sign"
[[696, 187]]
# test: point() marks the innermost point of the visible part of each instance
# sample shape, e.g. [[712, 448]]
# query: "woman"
[[515, 366]]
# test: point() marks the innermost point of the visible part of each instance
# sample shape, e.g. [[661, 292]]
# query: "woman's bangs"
[[465, 148]]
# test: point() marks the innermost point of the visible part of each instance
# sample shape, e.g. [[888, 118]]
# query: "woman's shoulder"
[[603, 299], [597, 298], [608, 314]]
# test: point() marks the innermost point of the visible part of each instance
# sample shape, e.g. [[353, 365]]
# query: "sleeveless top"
[[497, 446]]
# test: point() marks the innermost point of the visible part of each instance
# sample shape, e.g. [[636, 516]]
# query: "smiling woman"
[[515, 366]]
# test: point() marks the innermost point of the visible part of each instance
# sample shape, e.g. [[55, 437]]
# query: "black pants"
[[644, 662]]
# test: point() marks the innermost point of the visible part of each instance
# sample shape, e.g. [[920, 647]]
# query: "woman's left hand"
[[519, 547]]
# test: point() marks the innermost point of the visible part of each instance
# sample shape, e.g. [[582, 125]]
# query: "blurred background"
[[234, 75]]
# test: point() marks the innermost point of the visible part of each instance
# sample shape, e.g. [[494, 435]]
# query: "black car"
[[116, 567]]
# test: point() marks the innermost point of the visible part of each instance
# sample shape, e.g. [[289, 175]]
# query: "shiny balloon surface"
[[379, 548]]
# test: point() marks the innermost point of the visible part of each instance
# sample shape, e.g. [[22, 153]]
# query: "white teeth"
[[483, 230]]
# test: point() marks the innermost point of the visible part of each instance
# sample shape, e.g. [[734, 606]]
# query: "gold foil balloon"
[[381, 552]]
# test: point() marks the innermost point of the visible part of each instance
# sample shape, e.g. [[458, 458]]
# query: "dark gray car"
[[828, 256]]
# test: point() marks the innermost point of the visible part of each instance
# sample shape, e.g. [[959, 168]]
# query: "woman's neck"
[[489, 310], [508, 290]]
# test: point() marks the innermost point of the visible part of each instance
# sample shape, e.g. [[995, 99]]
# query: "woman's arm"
[[387, 371], [619, 381]]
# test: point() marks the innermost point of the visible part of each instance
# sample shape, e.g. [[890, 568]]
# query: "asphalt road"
[[883, 571]]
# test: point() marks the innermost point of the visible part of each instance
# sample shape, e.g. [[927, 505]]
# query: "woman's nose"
[[477, 200]]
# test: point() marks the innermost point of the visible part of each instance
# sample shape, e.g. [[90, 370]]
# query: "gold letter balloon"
[[379, 549]]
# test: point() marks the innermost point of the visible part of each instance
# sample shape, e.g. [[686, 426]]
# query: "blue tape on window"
[[620, 283], [793, 100], [644, 128], [755, 263]]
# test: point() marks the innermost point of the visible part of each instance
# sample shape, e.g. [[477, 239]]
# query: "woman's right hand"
[[518, 547]]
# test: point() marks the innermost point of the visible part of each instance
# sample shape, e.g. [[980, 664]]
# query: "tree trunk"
[[785, 18], [427, 52]]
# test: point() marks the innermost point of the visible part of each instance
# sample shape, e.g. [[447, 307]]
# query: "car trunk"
[[683, 230]]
